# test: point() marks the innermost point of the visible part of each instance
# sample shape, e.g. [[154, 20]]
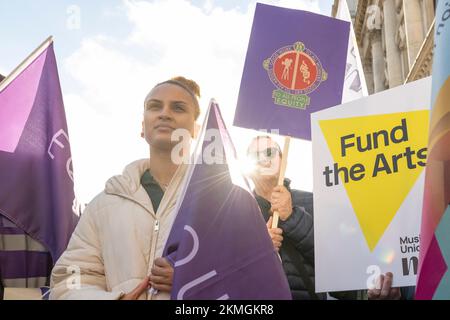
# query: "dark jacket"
[[299, 231]]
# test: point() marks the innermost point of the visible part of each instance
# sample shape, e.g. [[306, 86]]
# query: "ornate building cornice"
[[360, 18], [424, 61]]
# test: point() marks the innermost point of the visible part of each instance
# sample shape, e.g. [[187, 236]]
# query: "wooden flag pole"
[[284, 157], [25, 63]]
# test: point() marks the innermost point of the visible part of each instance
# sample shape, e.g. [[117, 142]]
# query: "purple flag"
[[36, 179], [219, 243], [295, 65]]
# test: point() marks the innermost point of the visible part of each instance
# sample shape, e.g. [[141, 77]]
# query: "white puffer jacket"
[[116, 240]]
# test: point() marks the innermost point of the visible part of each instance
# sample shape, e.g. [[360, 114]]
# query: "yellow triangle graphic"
[[387, 153]]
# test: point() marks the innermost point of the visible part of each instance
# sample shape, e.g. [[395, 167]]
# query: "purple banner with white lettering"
[[36, 179], [295, 65], [219, 243]]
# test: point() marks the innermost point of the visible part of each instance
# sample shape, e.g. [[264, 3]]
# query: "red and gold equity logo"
[[296, 71]]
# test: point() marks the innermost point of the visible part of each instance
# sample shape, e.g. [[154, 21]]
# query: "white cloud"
[[308, 5], [167, 38], [208, 47]]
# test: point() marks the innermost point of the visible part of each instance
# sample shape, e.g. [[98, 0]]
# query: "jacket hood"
[[129, 182]]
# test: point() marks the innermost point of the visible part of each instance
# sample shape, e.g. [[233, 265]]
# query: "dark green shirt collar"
[[154, 190]]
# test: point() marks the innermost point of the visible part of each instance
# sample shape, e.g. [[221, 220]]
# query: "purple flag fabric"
[[295, 65], [36, 178], [219, 244]]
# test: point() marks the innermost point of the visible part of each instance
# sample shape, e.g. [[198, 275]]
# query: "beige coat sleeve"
[[79, 273]]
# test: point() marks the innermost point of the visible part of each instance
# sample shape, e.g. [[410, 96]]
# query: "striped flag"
[[36, 179], [433, 280]]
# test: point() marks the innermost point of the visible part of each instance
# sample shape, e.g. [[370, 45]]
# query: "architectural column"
[[377, 61], [413, 28], [368, 74], [427, 9], [374, 23], [400, 40], [393, 61]]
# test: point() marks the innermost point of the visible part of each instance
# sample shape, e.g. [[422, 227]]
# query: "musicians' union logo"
[[296, 72]]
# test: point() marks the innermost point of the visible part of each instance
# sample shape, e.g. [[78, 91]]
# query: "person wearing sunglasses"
[[294, 237]]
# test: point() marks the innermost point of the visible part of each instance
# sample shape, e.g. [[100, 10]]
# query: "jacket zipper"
[[154, 238], [152, 292]]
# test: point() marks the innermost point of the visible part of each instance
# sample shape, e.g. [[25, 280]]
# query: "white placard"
[[369, 223]]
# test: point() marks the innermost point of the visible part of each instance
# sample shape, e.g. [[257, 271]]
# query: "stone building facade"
[[395, 40]]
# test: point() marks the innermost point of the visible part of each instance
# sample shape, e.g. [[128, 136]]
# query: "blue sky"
[[26, 23], [120, 49]]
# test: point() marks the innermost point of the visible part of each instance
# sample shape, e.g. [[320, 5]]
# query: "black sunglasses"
[[268, 153]]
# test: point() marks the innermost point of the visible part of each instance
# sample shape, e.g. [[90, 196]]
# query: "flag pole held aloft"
[[284, 158], [25, 63]]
